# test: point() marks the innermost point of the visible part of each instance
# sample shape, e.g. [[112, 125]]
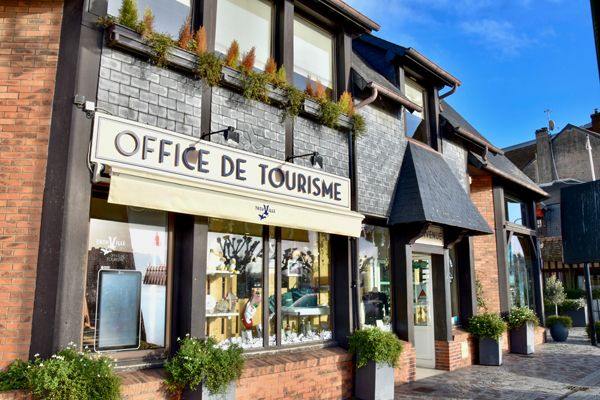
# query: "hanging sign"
[[434, 236], [131, 145]]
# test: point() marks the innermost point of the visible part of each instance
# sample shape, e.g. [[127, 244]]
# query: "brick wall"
[[553, 248], [29, 37], [460, 352], [486, 261], [408, 365]]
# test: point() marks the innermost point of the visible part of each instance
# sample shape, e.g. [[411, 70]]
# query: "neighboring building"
[[183, 233], [555, 161]]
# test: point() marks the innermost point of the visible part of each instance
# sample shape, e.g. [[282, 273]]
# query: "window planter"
[[522, 339], [490, 351], [203, 393], [579, 317], [374, 382]]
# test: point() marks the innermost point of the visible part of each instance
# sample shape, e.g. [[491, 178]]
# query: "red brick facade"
[[486, 260], [29, 36], [460, 352], [408, 366]]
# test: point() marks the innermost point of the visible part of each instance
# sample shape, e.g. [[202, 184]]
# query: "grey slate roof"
[[369, 74], [428, 191], [376, 56], [456, 120]]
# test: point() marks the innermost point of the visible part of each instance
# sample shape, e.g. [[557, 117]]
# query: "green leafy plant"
[[596, 294], [587, 329], [14, 376], [200, 359], [519, 316], [71, 374], [486, 324], [359, 126], [280, 77], [146, 26], [255, 86], [293, 105], [329, 114], [346, 104], [374, 344], [106, 21], [570, 304], [554, 292], [160, 45], [209, 68], [480, 296], [552, 319], [233, 54], [128, 14], [574, 293]]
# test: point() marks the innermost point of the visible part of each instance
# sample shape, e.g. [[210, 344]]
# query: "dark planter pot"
[[559, 332], [522, 339], [203, 393], [490, 351], [579, 317], [374, 382]]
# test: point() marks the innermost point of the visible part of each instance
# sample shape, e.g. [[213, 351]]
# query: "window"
[[454, 286], [374, 266], [313, 55], [519, 270], [250, 23], [416, 123], [516, 212], [170, 14], [126, 286]]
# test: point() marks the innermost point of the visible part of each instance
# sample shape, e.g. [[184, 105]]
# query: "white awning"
[[136, 189]]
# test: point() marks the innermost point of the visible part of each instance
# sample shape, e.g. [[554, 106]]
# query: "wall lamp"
[[228, 133], [315, 158]]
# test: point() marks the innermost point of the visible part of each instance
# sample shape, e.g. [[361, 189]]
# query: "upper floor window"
[[515, 211], [416, 123], [313, 55], [250, 23], [170, 14]]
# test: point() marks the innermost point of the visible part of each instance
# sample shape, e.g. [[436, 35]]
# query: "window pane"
[[306, 286], [313, 55], [248, 22], [453, 285], [125, 239], [515, 211], [416, 122], [234, 282], [519, 268], [374, 265], [169, 14]]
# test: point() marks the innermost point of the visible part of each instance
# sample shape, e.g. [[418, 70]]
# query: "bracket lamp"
[[315, 158], [229, 134]]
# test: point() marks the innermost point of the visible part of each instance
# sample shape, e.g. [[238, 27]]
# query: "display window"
[[125, 304], [453, 286], [519, 268], [374, 267], [169, 14]]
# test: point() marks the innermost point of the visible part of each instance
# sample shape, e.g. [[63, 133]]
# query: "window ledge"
[[124, 38]]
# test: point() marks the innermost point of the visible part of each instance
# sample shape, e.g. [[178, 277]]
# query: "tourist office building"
[[171, 207]]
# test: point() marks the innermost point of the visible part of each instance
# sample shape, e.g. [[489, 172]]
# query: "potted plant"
[[201, 362], [377, 354], [559, 327], [488, 328], [576, 309], [587, 330], [522, 322]]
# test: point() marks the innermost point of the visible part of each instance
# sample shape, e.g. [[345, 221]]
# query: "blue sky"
[[515, 58]]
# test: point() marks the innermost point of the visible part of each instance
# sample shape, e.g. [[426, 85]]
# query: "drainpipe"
[[450, 92], [588, 146], [367, 101]]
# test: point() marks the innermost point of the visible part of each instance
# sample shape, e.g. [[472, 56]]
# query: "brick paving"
[[569, 370]]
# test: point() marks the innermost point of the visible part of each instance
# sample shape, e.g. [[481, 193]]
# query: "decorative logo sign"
[[264, 211], [434, 236], [119, 142]]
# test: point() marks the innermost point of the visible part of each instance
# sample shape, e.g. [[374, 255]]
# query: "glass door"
[[423, 310]]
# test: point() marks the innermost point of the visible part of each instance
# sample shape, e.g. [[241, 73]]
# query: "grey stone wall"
[[553, 221], [571, 156], [134, 89], [310, 135], [455, 156], [259, 124], [379, 154]]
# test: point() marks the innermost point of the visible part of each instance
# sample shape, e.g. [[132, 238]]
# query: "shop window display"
[[374, 266], [126, 285], [519, 268]]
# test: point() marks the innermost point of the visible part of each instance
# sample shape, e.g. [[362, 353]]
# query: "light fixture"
[[229, 134], [315, 158]]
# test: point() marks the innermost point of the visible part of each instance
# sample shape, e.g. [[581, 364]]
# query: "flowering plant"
[[519, 316], [486, 324], [199, 360], [72, 374], [374, 344]]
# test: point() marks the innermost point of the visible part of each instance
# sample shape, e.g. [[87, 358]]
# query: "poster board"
[[580, 219]]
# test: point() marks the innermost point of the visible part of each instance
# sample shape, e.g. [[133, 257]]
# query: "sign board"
[[433, 236], [580, 221], [134, 146]]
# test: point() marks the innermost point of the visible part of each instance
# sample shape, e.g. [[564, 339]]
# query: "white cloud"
[[498, 34]]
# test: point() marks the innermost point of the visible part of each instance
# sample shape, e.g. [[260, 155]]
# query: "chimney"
[[544, 156], [595, 121]]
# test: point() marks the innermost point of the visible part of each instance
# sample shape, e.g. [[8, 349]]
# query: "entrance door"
[[423, 309]]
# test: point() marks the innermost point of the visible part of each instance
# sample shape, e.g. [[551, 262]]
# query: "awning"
[[132, 188]]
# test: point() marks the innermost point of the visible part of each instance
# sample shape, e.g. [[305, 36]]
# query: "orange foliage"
[[200, 39], [310, 92], [248, 59], [319, 90], [185, 34], [271, 69], [346, 103], [147, 24], [233, 54]]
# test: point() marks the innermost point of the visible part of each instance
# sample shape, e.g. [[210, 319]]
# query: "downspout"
[[588, 146], [452, 91], [367, 101]]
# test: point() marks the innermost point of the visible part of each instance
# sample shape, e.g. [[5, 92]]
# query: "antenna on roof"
[[550, 122]]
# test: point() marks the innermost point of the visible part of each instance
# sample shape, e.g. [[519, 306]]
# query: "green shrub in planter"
[[519, 316], [486, 324], [14, 376], [572, 304], [377, 345], [201, 359], [552, 319], [71, 374], [587, 329]]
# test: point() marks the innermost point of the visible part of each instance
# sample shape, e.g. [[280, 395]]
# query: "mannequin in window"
[[380, 302]]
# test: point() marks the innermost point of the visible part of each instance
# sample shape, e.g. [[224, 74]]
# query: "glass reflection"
[[520, 278]]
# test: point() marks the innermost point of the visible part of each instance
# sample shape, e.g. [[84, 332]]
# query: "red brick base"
[[460, 352], [408, 366]]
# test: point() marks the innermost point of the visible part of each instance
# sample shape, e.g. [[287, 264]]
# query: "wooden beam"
[[453, 237]]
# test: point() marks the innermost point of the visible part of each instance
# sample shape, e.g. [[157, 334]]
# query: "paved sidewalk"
[[569, 370]]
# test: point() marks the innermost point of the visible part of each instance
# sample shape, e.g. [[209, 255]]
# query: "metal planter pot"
[[374, 382], [490, 351], [203, 393], [579, 317], [559, 332], [522, 339]]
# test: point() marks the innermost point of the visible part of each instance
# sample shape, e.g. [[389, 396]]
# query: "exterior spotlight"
[[229, 134], [315, 158]]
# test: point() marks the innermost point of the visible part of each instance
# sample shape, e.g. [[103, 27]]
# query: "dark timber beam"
[[342, 295], [502, 250], [465, 273], [403, 320], [442, 303], [204, 13]]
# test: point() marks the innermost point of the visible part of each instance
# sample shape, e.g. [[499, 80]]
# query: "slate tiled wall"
[[455, 156], [132, 88], [553, 221], [379, 153], [310, 135]]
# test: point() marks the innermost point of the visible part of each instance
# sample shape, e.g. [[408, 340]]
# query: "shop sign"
[[131, 145], [434, 236]]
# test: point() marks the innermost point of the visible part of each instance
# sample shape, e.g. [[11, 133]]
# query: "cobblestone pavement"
[[569, 370]]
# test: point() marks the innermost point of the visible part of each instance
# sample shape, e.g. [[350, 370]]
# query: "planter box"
[[205, 394], [374, 382], [311, 107], [490, 351], [522, 340], [579, 317]]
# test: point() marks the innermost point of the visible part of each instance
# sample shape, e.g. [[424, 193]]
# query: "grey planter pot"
[[579, 317], [374, 382], [522, 339], [204, 393], [490, 351], [311, 107], [559, 332]]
